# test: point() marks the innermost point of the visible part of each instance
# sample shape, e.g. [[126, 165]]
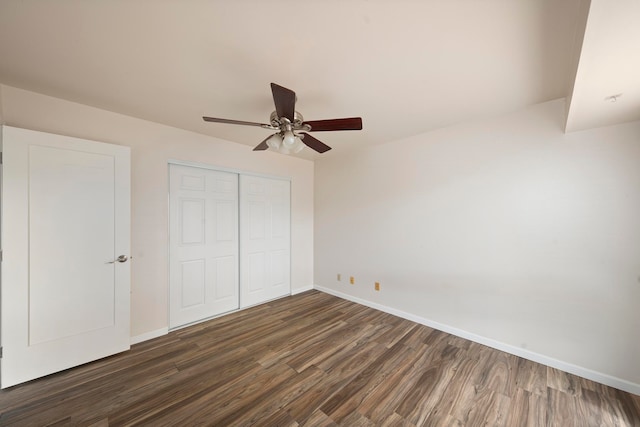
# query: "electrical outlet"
[[352, 280], [377, 286], [339, 277]]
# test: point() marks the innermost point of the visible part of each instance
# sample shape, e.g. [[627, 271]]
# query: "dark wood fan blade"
[[351, 123], [285, 101], [234, 122], [314, 143], [263, 145]]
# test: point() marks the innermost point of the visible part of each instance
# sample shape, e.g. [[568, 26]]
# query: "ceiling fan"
[[292, 131]]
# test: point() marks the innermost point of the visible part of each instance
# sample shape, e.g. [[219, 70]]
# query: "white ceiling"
[[404, 66], [609, 65]]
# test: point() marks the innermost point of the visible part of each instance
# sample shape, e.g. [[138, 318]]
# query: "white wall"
[[152, 146], [1, 113], [506, 230]]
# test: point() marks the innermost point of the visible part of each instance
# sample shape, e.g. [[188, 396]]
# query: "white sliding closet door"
[[264, 239], [203, 249]]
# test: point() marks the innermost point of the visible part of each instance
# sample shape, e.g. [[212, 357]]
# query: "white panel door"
[[65, 219], [203, 258], [264, 239]]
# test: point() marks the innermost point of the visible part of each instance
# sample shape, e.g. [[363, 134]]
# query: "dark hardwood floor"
[[314, 360]]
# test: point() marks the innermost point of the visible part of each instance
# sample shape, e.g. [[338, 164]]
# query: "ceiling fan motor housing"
[[282, 122]]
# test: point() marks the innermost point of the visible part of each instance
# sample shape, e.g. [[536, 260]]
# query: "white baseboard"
[[301, 290], [599, 377], [149, 335], [164, 331]]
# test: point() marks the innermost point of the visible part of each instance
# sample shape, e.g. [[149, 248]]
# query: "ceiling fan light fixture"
[[275, 142], [286, 142], [289, 139], [298, 145]]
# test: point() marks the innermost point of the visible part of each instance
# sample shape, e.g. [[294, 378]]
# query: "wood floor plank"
[[189, 386], [214, 404], [490, 409], [531, 377], [314, 360], [498, 373], [387, 396], [339, 372], [444, 420], [305, 408], [588, 405], [275, 399], [563, 381], [527, 409], [562, 410], [354, 386], [279, 418], [395, 334], [99, 423], [355, 419], [319, 419], [321, 345], [350, 398], [424, 398], [625, 405], [460, 393], [416, 337], [395, 420]]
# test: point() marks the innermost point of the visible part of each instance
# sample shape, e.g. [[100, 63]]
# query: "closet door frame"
[[239, 172]]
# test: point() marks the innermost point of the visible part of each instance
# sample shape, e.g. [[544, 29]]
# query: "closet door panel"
[[203, 248], [264, 239]]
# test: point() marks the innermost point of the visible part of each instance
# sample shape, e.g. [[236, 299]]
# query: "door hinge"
[[0, 157], [0, 352]]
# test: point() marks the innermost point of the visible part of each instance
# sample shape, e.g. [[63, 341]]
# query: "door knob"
[[121, 258]]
